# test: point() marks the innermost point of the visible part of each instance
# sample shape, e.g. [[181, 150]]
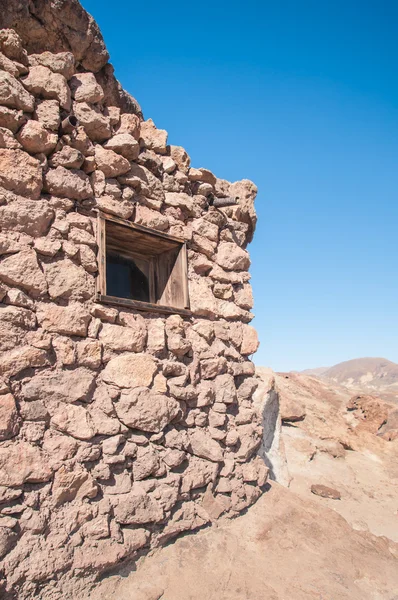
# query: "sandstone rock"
[[11, 45], [11, 119], [180, 156], [225, 390], [325, 491], [146, 463], [138, 508], [124, 144], [96, 125], [63, 386], [20, 173], [123, 338], [67, 280], [7, 140], [62, 62], [23, 270], [232, 258], [204, 446], [6, 64], [67, 157], [9, 424], [151, 218], [33, 464], [180, 200], [144, 182], [89, 353], [19, 359], [74, 420], [47, 113], [244, 296], [250, 341], [174, 458], [118, 208], [47, 246], [71, 183], [43, 82], [130, 370], [70, 484], [211, 367], [169, 166], [13, 94], [187, 518], [129, 123], [69, 320], [111, 163], [32, 218], [35, 138], [245, 192], [153, 138], [84, 88], [203, 302], [144, 410], [156, 336]]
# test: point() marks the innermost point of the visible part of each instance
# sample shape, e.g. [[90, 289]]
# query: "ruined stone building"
[[126, 386]]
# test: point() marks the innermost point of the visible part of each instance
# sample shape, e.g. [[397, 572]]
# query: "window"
[[140, 267]]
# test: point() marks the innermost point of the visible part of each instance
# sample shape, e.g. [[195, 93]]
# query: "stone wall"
[[118, 429]]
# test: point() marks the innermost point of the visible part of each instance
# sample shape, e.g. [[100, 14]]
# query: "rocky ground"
[[332, 534]]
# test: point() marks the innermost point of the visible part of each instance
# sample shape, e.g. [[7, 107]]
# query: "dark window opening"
[[140, 267]]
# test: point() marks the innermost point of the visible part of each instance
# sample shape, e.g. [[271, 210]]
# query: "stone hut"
[[126, 413]]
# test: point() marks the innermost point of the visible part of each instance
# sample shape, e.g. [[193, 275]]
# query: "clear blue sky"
[[302, 98]]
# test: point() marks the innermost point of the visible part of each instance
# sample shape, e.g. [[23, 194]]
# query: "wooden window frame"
[[101, 291]]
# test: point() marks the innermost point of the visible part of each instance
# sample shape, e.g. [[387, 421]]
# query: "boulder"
[[250, 341], [121, 338], [12, 119], [33, 464], [153, 138], [47, 113], [35, 138], [17, 360], [204, 446], [138, 508], [69, 183], [67, 157], [20, 173], [61, 62], [22, 269], [145, 410], [124, 144], [181, 158], [62, 386], [232, 258], [41, 81], [129, 123], [144, 182], [84, 88], [24, 216], [72, 484], [130, 371], [13, 94], [119, 208], [74, 420], [96, 125], [110, 163], [68, 320], [65, 279], [9, 422], [7, 140]]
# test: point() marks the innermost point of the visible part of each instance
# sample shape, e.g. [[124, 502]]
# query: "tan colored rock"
[[43, 82], [25, 216], [61, 62], [325, 492], [48, 114], [232, 258], [250, 341], [124, 144], [6, 64], [144, 410], [84, 88], [96, 125], [111, 163], [147, 463], [151, 218], [15, 361], [180, 200], [144, 182], [65, 279], [202, 175], [180, 156], [74, 420], [62, 386], [47, 246], [156, 336], [204, 446], [245, 192], [68, 320], [67, 157], [11, 119], [89, 353], [13, 94], [119, 208], [9, 424], [138, 508], [121, 338], [20, 173], [70, 183], [23, 270], [33, 464], [35, 138], [153, 138], [129, 123], [72, 484], [7, 140], [244, 296], [130, 370], [203, 302]]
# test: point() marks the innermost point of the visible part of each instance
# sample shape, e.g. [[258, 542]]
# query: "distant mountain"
[[372, 375]]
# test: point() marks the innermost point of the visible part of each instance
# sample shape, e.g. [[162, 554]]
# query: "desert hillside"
[[374, 375]]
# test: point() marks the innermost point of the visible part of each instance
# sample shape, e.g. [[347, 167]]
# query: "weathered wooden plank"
[[142, 228], [101, 257], [144, 306]]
